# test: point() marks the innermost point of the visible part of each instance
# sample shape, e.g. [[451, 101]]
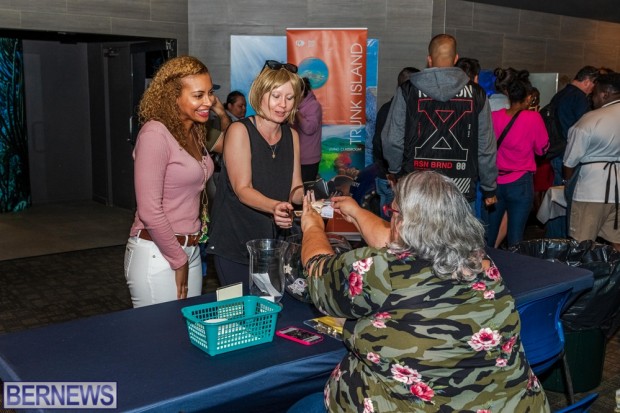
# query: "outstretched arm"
[[374, 230], [315, 241]]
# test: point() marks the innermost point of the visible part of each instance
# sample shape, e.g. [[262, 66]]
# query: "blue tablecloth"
[[148, 353], [532, 278]]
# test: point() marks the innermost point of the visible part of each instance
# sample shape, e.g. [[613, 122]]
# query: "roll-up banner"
[[335, 62]]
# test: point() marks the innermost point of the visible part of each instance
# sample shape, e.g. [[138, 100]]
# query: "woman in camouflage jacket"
[[430, 325]]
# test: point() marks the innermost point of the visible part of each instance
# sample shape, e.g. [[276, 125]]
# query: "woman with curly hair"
[[430, 326], [261, 168], [525, 136], [171, 167]]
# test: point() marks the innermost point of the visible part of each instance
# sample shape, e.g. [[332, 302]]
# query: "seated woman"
[[430, 324]]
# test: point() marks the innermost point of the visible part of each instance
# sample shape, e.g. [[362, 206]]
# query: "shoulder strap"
[[506, 129]]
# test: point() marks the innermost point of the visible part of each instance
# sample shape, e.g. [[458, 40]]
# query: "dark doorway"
[[126, 69], [81, 96]]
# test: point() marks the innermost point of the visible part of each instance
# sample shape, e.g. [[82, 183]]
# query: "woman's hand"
[[346, 206], [309, 217], [181, 276], [218, 107], [490, 201], [282, 215]]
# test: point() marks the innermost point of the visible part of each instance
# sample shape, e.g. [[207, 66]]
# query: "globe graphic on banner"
[[315, 70]]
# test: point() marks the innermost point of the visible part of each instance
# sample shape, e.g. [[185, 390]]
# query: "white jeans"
[[149, 276]]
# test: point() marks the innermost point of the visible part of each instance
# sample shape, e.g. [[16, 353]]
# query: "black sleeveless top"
[[233, 223]]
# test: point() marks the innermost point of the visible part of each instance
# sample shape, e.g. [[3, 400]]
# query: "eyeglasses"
[[275, 65], [388, 211]]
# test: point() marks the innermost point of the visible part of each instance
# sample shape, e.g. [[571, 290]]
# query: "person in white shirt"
[[592, 161]]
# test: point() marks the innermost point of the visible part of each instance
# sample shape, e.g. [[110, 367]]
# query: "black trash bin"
[[588, 319], [585, 352]]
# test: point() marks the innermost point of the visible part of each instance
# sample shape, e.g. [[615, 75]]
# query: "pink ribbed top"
[[168, 183]]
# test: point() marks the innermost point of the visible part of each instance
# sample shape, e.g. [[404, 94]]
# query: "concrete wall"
[[538, 42], [143, 18], [497, 36], [403, 28]]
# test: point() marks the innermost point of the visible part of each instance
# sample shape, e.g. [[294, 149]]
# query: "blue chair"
[[582, 406], [312, 403], [543, 337]]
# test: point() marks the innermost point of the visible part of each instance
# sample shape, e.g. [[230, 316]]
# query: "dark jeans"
[[517, 199]]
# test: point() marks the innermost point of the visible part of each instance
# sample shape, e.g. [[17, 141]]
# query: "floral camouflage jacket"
[[419, 343]]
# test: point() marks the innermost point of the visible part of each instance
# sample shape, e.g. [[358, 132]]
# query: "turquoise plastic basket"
[[236, 323]]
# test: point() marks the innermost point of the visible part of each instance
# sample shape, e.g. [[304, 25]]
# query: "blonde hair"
[[159, 101], [270, 79]]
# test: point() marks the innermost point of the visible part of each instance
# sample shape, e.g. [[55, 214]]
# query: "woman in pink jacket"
[[309, 126], [162, 258], [516, 162]]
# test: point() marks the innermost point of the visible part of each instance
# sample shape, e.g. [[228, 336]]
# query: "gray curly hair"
[[436, 223]]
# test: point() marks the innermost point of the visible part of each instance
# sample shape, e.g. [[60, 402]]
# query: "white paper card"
[[263, 283], [327, 211], [229, 291]]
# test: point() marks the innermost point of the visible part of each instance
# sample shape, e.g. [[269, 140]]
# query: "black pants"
[[230, 272]]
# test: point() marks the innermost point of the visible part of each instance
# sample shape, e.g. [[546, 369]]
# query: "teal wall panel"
[[14, 170]]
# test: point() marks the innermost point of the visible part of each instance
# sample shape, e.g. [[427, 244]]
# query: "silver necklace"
[[273, 149]]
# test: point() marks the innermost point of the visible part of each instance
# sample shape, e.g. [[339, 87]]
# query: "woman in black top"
[[261, 168]]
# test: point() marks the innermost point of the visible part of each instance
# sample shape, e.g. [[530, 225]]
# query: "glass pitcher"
[[266, 278], [295, 283]]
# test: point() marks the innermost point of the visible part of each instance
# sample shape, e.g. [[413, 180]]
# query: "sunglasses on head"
[[275, 65]]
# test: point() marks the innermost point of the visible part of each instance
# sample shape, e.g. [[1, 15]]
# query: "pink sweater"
[[168, 183], [526, 137]]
